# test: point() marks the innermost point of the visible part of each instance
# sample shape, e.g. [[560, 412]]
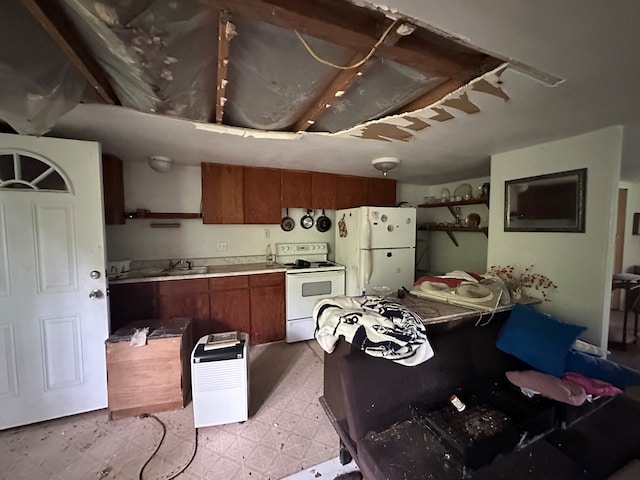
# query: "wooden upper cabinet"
[[324, 191], [352, 191], [296, 189], [262, 195], [381, 192], [113, 190], [222, 193]]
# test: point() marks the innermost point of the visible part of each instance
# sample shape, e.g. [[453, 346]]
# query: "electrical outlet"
[[267, 233], [221, 246]]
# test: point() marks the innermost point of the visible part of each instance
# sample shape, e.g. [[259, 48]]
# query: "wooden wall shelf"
[[472, 201], [450, 230], [161, 215]]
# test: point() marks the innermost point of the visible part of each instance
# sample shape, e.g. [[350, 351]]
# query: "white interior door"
[[52, 329]]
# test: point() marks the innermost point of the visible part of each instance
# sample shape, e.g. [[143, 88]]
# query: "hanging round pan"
[[307, 220], [287, 222], [323, 223]]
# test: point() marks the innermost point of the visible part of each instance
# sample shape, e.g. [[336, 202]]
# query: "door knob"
[[95, 293], [95, 274]]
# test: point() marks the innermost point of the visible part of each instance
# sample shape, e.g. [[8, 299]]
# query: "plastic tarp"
[[37, 82], [272, 77], [159, 54], [384, 87]]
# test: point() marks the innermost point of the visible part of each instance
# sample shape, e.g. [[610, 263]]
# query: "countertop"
[[158, 274], [434, 312], [158, 328]]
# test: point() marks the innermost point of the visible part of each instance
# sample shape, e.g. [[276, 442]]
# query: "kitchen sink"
[[185, 271]]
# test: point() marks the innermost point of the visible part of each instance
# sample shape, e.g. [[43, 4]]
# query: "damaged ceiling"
[[323, 85]]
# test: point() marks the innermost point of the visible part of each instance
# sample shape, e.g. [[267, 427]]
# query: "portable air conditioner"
[[220, 383]]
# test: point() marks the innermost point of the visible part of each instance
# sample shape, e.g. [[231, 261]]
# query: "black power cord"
[[164, 433]]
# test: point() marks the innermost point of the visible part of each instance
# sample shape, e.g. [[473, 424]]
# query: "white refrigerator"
[[377, 247]]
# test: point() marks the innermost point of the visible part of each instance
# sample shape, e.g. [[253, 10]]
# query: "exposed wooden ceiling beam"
[[62, 33], [355, 27], [340, 84], [430, 97], [225, 34]]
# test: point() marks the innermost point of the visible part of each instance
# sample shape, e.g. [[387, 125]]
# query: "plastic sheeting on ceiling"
[[272, 77], [384, 87], [37, 82], [160, 55]]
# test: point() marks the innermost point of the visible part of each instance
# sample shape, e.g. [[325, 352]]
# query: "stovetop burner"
[[312, 266], [325, 264], [305, 257]]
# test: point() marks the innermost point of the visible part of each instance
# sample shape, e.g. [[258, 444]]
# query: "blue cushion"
[[538, 339], [602, 369]]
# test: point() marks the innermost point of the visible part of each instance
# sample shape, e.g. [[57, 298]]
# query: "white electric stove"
[[310, 277]]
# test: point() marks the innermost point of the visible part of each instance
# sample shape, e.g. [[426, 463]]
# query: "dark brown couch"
[[377, 409]]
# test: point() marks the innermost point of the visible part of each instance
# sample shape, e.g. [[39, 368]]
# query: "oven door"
[[304, 289]]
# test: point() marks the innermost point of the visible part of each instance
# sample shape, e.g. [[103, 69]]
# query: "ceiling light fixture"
[[160, 164], [384, 164]]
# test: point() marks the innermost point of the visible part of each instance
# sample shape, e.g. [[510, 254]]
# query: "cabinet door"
[[381, 192], [352, 191], [324, 191], [222, 193], [296, 189], [186, 299], [267, 307], [261, 195], [129, 302], [113, 190], [229, 304]]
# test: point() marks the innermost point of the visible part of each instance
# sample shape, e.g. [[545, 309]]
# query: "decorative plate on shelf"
[[463, 191], [473, 220], [445, 195]]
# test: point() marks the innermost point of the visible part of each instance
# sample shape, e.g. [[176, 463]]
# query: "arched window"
[[19, 171]]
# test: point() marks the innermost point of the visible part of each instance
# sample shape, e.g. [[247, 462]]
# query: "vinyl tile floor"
[[287, 432]]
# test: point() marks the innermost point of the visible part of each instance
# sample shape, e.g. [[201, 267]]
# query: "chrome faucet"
[[179, 264]]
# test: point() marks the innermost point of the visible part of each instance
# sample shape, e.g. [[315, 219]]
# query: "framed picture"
[[546, 203]]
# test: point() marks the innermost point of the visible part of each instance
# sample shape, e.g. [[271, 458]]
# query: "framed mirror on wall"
[[546, 203]]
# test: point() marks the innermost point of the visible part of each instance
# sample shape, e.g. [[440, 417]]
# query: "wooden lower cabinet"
[[152, 378], [229, 304], [129, 302], [267, 307], [254, 304], [249, 303], [186, 299]]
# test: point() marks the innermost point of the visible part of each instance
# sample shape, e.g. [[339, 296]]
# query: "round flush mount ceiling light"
[[384, 164], [160, 164]]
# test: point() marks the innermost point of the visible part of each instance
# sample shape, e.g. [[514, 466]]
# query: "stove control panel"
[[318, 248]]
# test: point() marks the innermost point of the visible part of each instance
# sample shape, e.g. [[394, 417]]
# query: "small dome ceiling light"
[[160, 164], [384, 164]]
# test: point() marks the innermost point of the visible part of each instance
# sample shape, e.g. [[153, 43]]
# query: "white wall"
[[579, 263], [179, 190], [435, 252]]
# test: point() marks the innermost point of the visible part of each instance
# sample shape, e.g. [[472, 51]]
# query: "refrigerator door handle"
[[367, 268], [366, 230]]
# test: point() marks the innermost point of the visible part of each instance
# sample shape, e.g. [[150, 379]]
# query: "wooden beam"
[[430, 97], [340, 84], [225, 33], [64, 36], [344, 24]]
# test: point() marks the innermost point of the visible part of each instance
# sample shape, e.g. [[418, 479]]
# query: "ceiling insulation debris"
[[269, 65]]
